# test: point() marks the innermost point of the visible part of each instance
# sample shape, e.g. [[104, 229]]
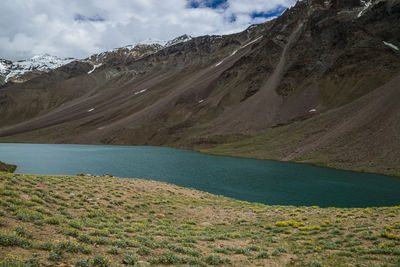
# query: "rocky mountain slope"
[[126, 55], [318, 84]]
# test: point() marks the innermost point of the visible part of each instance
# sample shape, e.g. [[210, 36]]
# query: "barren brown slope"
[[118, 102], [307, 69], [363, 135], [261, 110]]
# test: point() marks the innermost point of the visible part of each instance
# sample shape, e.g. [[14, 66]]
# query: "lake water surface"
[[262, 181]]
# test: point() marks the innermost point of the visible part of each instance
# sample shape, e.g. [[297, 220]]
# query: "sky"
[[79, 28]]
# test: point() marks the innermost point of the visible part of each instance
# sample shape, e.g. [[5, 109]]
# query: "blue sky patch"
[[232, 18], [268, 14], [214, 4], [96, 18], [224, 5]]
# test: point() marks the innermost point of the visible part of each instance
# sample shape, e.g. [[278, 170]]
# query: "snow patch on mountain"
[[95, 66], [234, 52], [251, 42], [366, 6], [5, 66], [391, 45], [140, 92]]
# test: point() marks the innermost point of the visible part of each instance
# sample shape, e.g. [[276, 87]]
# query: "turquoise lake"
[[268, 182]]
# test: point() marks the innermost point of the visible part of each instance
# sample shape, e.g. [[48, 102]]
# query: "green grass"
[[89, 221]]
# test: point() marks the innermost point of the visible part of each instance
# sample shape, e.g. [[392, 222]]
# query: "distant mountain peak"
[[41, 62], [137, 50], [157, 42], [179, 39]]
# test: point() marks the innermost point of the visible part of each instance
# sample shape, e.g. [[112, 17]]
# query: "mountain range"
[[24, 70], [319, 84]]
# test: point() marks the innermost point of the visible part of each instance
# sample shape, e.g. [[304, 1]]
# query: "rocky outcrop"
[[7, 167]]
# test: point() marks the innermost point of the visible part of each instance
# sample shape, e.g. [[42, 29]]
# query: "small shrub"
[[84, 239], [253, 248], [180, 249], [8, 239], [119, 243], [82, 263], [193, 261], [44, 211], [73, 247], [221, 250], [47, 245], [56, 254], [20, 230], [113, 250], [37, 200], [278, 251], [215, 259], [315, 263], [166, 258], [187, 240], [53, 220], [101, 241], [27, 215], [243, 251], [12, 261], [70, 232], [75, 224], [263, 255], [143, 251], [129, 258], [100, 233], [345, 253], [98, 260]]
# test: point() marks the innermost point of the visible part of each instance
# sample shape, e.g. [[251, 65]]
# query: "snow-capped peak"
[[44, 61], [180, 39], [161, 43], [152, 41], [36, 63], [138, 49]]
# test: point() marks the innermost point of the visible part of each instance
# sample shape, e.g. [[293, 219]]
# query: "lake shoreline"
[[211, 153], [254, 180], [311, 163]]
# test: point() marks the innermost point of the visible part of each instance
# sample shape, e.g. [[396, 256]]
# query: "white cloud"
[[46, 26]]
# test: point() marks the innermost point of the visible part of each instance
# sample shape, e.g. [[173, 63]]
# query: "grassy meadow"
[[107, 221]]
